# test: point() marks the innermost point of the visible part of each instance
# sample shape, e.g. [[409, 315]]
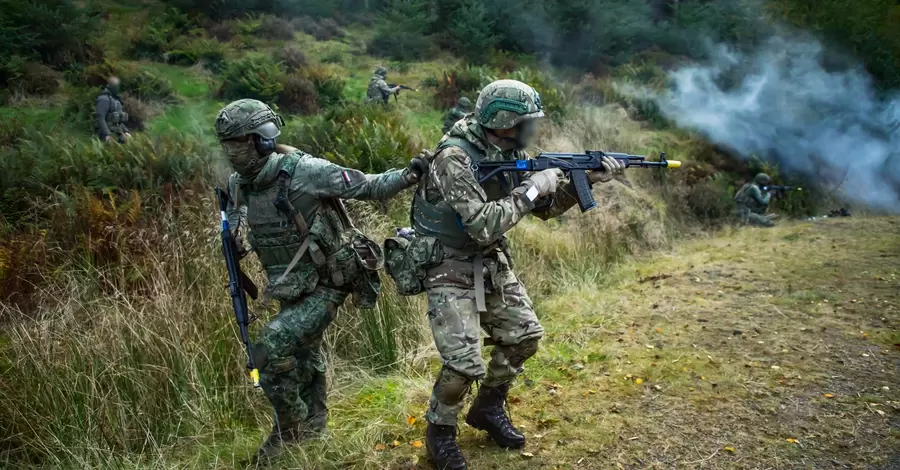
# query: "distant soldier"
[[110, 115], [379, 91], [463, 107], [752, 201]]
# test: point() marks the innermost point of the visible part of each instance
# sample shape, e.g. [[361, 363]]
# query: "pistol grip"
[[583, 192]]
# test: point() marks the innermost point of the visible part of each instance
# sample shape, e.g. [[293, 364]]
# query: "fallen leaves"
[[729, 449], [828, 395], [417, 444], [792, 440], [410, 420], [380, 447]]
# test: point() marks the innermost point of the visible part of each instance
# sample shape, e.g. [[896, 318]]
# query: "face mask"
[[243, 157], [527, 131]]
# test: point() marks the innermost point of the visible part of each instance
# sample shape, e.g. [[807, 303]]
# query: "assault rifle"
[[781, 189], [238, 284], [402, 87], [575, 165]]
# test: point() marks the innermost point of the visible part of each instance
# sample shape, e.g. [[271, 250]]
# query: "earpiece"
[[264, 147]]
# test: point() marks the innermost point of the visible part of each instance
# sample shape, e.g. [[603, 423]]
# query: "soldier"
[[109, 115], [473, 286], [313, 256], [752, 202], [456, 113], [379, 91]]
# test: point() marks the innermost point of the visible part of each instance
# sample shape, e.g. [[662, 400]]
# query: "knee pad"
[[519, 353], [451, 387]]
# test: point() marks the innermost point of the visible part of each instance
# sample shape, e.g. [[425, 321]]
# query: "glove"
[[611, 168], [544, 182], [418, 167]]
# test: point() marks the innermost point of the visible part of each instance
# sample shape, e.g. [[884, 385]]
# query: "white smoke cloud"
[[781, 103]]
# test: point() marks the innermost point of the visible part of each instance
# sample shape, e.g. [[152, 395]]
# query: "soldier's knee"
[[269, 363], [519, 353], [451, 387]]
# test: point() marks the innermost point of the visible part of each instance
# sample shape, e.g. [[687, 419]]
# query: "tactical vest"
[[116, 115], [374, 93], [745, 203], [438, 219]]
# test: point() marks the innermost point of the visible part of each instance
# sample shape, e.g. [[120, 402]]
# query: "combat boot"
[[487, 414], [278, 439], [440, 441]]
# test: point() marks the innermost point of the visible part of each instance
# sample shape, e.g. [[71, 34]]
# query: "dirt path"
[[757, 349]]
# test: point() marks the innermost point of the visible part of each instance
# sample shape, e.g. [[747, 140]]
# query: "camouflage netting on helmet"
[[505, 103], [244, 117]]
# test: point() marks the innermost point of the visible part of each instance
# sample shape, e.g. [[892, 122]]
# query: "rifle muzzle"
[[673, 164], [254, 377]]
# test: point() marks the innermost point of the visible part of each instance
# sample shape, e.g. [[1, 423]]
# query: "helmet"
[[505, 103], [245, 117], [762, 179], [464, 103], [381, 72]]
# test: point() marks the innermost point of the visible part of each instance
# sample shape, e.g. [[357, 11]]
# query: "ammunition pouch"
[[407, 262]]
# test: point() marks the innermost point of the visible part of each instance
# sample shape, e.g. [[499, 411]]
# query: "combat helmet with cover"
[[762, 179], [245, 117], [464, 103], [381, 72], [503, 104]]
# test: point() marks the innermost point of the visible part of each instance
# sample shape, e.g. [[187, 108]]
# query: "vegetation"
[[117, 349]]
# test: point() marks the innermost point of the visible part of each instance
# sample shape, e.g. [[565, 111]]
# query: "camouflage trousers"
[[288, 353], [758, 220], [456, 324]]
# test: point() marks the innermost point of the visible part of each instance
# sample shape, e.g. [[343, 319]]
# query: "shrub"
[[157, 36], [298, 95], [79, 108], [327, 29], [402, 31], [33, 78], [333, 57], [711, 200], [452, 85], [208, 52], [56, 32], [139, 112], [272, 27], [223, 31], [366, 137], [147, 85], [471, 31], [329, 87], [305, 24], [258, 77], [292, 57]]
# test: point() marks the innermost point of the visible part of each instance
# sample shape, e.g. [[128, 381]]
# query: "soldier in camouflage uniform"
[[752, 202], [456, 113], [109, 114], [473, 286], [379, 91], [313, 256]]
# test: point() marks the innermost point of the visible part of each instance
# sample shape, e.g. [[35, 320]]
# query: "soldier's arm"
[[485, 221], [236, 211], [758, 195], [386, 89], [100, 116], [324, 179], [554, 205]]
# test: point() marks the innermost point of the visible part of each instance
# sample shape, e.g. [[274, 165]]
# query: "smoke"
[[786, 103]]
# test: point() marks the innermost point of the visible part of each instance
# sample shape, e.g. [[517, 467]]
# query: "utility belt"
[[116, 117]]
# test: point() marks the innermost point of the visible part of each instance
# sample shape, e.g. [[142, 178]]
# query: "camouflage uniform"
[[110, 116], [335, 259], [456, 113], [379, 91], [476, 262], [752, 202]]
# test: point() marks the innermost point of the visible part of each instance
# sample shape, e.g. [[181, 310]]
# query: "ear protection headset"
[[264, 146]]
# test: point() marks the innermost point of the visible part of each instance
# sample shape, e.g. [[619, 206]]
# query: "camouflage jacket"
[[313, 188], [109, 115], [484, 213], [379, 91], [750, 198], [452, 116]]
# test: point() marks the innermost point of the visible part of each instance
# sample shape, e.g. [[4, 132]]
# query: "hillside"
[[675, 340]]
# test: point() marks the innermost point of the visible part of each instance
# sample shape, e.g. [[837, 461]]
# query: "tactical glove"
[[417, 168], [611, 168], [544, 182]]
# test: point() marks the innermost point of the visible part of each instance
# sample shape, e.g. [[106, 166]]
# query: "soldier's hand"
[[546, 181], [106, 139], [418, 167], [127, 135], [611, 168]]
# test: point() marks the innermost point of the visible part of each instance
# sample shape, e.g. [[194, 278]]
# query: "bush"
[[223, 30], [147, 85], [292, 57], [366, 137], [402, 31], [55, 32], [272, 27], [304, 24], [298, 95], [139, 112], [452, 85], [471, 32], [79, 108], [33, 78], [208, 52], [712, 200], [327, 29], [257, 77], [329, 87], [157, 36]]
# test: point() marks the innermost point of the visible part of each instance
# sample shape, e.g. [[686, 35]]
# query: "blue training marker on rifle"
[[521, 164]]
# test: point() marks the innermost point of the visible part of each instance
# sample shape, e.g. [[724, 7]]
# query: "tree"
[[472, 31]]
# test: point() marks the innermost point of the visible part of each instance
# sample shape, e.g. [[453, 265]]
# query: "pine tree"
[[472, 31]]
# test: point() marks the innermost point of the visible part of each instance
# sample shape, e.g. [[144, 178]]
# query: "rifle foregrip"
[[583, 192]]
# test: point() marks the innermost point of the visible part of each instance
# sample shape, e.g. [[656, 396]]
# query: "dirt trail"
[[755, 349]]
